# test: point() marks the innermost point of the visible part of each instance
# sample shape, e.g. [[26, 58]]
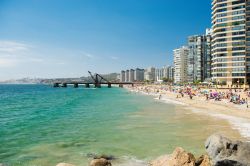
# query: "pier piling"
[[75, 85], [97, 85], [64, 85], [56, 85]]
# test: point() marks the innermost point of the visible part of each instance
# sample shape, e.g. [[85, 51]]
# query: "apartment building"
[[199, 57], [230, 50], [181, 64]]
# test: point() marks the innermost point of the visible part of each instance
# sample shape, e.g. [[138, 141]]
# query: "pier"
[[88, 85], [97, 82]]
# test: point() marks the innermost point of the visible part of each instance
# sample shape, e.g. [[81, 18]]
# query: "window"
[[238, 7]]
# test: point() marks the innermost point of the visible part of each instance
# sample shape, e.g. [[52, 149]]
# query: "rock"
[[100, 162], [228, 163], [107, 157], [64, 164], [224, 151], [179, 158], [203, 160], [160, 161], [95, 156]]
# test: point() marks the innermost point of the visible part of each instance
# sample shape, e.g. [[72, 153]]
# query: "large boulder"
[[64, 164], [178, 158], [203, 160], [224, 151], [160, 161], [100, 162], [107, 157]]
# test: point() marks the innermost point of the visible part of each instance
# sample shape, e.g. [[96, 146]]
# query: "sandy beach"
[[238, 115]]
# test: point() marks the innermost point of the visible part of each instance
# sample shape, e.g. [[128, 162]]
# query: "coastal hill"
[[109, 77]]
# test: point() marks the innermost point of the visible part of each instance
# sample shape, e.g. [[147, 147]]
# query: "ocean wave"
[[170, 101], [163, 99], [131, 161], [240, 124]]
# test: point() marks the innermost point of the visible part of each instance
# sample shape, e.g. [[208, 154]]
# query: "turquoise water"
[[42, 126]]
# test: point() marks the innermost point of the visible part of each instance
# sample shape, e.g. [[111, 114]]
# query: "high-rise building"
[[181, 64], [247, 14], [208, 55], [150, 74], [122, 76], [161, 73], [139, 75], [199, 57], [131, 75], [230, 41], [127, 76], [170, 73]]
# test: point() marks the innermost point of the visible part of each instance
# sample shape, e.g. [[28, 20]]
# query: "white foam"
[[131, 161], [170, 101], [240, 124], [163, 99]]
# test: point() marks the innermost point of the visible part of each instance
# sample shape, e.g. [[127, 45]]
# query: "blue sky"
[[66, 38]]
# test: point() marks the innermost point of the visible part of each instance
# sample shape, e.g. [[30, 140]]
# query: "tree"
[[164, 79], [197, 82]]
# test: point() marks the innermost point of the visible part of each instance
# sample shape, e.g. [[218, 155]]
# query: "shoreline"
[[238, 116], [134, 160]]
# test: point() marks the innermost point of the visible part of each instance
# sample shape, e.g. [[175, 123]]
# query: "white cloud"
[[13, 53], [88, 55], [114, 57], [11, 47], [60, 63], [7, 62], [35, 60]]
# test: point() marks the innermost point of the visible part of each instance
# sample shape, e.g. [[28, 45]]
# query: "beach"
[[237, 115]]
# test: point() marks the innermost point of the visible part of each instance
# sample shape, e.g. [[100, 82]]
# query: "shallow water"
[[41, 125]]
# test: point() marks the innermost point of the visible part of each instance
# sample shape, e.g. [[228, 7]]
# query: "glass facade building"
[[199, 57]]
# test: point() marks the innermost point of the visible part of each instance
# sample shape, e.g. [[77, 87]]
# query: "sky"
[[66, 38]]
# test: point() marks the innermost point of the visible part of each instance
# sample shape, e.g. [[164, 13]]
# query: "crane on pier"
[[97, 78]]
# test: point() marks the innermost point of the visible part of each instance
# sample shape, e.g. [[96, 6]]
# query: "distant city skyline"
[[63, 38]]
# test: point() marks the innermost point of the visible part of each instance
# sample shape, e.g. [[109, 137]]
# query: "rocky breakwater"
[[181, 158], [225, 152], [221, 151], [102, 160]]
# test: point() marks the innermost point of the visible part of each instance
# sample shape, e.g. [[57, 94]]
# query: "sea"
[[42, 126]]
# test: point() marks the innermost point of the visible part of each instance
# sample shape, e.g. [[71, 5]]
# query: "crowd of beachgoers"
[[236, 96]]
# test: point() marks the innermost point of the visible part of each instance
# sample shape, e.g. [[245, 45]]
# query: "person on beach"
[[190, 96], [247, 102], [160, 97], [207, 97]]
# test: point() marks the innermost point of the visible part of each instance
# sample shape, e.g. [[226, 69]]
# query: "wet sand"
[[238, 116]]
